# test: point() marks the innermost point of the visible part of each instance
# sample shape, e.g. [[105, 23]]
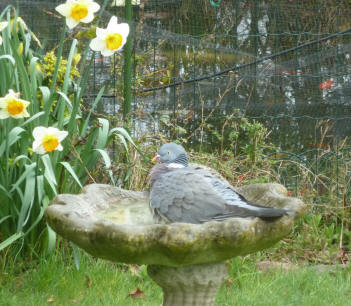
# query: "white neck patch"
[[174, 166]]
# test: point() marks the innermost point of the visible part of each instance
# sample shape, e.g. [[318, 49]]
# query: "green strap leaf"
[[71, 171], [96, 101], [124, 133], [5, 192], [51, 239], [105, 157], [9, 57], [64, 96], [103, 133], [37, 115], [49, 172], [107, 162], [12, 138], [26, 172], [10, 240], [75, 255], [5, 218], [40, 187], [28, 199]]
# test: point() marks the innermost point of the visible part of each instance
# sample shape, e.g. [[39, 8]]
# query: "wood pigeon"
[[180, 193]]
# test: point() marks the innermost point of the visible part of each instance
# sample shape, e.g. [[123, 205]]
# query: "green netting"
[[283, 63]]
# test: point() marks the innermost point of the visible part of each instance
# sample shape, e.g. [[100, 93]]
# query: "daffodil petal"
[[64, 9], [25, 103], [88, 18], [112, 23], [59, 147], [101, 33], [38, 148], [23, 114], [123, 29], [52, 130], [0, 40], [61, 135], [12, 94], [97, 44], [4, 114], [39, 132], [71, 23], [94, 7], [107, 52]]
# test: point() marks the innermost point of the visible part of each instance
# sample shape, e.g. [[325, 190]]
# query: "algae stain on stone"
[[127, 211]]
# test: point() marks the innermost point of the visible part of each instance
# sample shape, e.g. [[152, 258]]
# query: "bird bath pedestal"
[[186, 260]]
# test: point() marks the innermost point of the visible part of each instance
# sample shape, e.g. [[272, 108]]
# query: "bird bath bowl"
[[186, 260]]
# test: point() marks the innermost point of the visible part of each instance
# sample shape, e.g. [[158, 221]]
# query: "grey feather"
[[195, 195]]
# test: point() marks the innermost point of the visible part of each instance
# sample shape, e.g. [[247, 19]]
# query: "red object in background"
[[99, 59], [326, 84], [241, 178]]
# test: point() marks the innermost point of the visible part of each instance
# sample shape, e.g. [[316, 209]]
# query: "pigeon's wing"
[[184, 196], [192, 196], [234, 200]]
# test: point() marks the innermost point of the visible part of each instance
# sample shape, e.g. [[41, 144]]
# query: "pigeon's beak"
[[156, 158]]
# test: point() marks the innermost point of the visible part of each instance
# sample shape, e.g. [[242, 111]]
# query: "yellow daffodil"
[[77, 11], [111, 39], [3, 25], [47, 139], [122, 2], [12, 106]]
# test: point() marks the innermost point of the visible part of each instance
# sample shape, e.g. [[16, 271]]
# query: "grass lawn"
[[56, 281]]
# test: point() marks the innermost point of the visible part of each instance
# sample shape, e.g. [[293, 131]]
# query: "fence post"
[[127, 84]]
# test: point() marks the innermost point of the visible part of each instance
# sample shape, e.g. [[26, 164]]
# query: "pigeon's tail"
[[262, 212], [271, 214]]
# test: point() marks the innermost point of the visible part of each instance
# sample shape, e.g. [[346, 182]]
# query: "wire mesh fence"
[[200, 65]]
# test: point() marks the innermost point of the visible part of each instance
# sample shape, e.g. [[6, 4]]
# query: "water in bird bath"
[[127, 211]]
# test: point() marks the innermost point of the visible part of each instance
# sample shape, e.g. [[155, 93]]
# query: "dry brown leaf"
[[229, 283], [88, 281], [137, 294], [342, 255]]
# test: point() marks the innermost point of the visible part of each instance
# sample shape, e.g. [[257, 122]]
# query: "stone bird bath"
[[186, 260]]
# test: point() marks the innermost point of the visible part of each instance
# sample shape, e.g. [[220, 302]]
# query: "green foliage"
[[56, 281], [28, 180], [245, 137]]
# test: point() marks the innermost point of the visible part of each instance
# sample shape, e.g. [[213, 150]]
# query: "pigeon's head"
[[172, 153]]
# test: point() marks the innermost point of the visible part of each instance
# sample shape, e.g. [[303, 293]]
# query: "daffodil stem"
[[50, 101]]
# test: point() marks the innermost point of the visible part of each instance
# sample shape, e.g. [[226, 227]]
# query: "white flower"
[[3, 25], [77, 11], [12, 106], [47, 139], [122, 2], [111, 39]]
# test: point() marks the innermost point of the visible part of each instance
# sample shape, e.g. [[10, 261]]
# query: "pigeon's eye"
[[168, 153]]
